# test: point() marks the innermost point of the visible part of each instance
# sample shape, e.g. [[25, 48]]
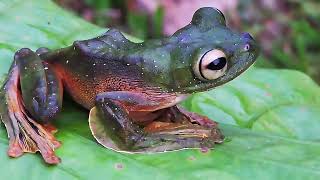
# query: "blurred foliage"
[[290, 38], [288, 30]]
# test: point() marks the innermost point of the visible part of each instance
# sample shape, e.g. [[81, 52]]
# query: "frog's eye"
[[211, 65]]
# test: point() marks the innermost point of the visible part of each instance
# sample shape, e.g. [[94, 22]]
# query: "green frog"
[[134, 88]]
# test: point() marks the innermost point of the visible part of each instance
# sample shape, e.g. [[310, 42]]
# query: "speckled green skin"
[[166, 63]]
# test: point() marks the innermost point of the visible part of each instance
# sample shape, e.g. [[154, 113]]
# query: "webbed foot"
[[28, 99], [25, 134]]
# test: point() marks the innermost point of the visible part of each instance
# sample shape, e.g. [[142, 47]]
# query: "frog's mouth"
[[242, 63]]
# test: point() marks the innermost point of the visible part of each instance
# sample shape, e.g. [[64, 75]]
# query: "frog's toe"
[[14, 149]]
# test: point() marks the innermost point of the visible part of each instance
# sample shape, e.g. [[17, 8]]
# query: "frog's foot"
[[177, 114], [171, 130], [177, 128], [174, 136], [25, 134]]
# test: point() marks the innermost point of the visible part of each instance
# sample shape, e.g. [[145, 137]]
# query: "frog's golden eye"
[[211, 65]]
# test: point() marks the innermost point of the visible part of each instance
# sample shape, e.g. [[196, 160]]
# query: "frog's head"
[[206, 53]]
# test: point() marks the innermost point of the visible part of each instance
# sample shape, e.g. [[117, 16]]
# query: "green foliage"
[[305, 42], [310, 7], [138, 24], [270, 118], [298, 43], [99, 4], [158, 22], [142, 26]]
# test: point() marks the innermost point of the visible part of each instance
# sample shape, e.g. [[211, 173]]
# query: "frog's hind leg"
[[169, 130], [31, 95]]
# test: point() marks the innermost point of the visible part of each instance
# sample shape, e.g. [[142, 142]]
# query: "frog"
[[134, 87]]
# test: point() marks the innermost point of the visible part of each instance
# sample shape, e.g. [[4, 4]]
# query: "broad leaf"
[[283, 102], [269, 116]]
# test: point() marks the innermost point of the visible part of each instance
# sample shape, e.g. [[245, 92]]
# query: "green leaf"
[[270, 118], [281, 102]]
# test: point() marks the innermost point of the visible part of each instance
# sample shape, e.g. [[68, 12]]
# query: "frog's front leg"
[[32, 94], [170, 129]]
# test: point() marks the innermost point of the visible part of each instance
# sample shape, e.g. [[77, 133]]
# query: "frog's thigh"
[[41, 88], [114, 107]]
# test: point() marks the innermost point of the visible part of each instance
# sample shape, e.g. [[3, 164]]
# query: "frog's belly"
[[84, 89], [81, 91]]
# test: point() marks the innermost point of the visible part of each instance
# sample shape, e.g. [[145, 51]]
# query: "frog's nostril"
[[246, 36], [247, 47]]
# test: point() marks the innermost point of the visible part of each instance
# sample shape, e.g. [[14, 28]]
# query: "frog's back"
[[97, 65]]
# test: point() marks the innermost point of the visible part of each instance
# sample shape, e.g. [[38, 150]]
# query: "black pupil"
[[217, 64]]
